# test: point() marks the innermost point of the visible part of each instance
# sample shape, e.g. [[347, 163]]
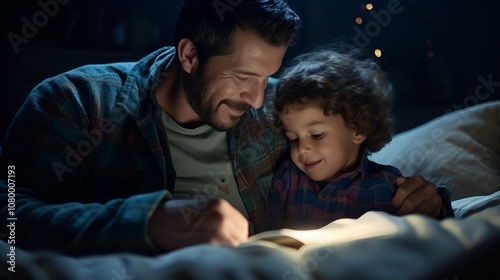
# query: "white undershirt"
[[201, 160]]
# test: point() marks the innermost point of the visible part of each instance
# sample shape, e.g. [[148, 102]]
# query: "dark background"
[[438, 54]]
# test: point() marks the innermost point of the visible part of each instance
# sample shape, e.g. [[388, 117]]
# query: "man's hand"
[[416, 195], [180, 223]]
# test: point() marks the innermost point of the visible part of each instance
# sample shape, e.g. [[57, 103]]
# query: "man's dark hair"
[[210, 24]]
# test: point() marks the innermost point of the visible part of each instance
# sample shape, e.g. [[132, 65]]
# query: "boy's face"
[[321, 146]]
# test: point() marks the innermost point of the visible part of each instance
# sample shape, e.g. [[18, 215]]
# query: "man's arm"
[[72, 190], [87, 182], [180, 223], [416, 195], [80, 228]]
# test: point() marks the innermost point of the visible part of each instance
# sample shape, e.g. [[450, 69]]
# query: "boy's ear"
[[358, 138], [188, 57]]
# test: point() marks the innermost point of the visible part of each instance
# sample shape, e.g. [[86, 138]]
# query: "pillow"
[[460, 149]]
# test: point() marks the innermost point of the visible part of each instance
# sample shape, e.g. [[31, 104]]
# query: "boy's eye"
[[317, 136], [294, 141]]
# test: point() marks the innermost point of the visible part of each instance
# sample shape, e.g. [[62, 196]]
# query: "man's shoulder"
[[119, 70], [99, 72], [94, 77]]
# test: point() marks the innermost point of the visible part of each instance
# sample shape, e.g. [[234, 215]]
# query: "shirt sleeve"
[[55, 212], [446, 209], [277, 197]]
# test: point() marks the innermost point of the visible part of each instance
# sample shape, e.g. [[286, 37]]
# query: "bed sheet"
[[420, 248]]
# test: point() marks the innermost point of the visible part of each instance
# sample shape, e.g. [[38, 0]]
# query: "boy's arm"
[[275, 213]]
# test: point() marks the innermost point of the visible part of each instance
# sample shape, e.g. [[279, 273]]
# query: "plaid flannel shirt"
[[92, 161], [296, 201]]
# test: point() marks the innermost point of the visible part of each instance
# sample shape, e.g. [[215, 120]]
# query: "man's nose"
[[254, 96]]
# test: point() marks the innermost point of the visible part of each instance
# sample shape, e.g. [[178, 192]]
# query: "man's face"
[[229, 85]]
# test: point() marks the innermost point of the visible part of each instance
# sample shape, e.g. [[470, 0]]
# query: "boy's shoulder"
[[377, 168]]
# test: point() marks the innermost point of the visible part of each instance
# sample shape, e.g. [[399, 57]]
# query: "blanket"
[[415, 247]]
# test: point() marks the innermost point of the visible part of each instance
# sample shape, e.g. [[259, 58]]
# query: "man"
[[164, 153]]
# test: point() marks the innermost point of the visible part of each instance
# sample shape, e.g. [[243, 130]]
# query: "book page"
[[344, 230]]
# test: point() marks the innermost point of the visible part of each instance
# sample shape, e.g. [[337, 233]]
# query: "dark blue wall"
[[462, 36]]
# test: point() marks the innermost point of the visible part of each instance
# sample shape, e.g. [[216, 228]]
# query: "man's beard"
[[204, 105]]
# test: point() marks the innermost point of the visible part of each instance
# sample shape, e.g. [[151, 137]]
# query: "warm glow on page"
[[369, 225]]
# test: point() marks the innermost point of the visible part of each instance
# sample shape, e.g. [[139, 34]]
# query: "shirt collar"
[[360, 170]]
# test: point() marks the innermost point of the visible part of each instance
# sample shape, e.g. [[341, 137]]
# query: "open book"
[[369, 225]]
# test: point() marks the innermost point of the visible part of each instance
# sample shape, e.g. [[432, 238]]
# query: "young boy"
[[335, 110]]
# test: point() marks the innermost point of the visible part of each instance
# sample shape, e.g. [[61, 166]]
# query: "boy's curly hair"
[[340, 82]]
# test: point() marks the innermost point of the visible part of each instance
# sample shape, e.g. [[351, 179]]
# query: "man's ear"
[[187, 54], [358, 138]]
